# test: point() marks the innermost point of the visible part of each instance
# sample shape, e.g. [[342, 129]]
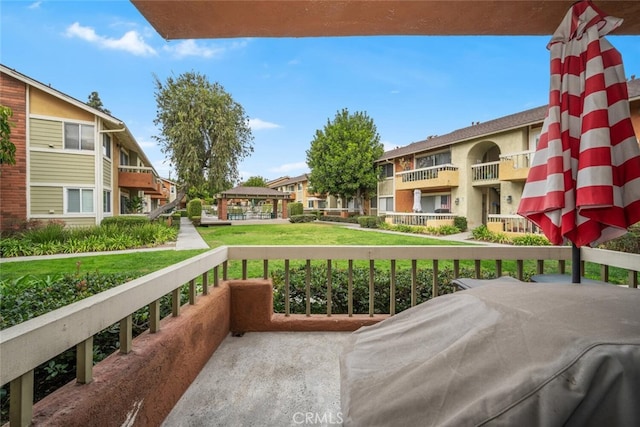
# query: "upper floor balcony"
[[515, 166], [485, 174], [441, 176], [139, 178], [143, 380]]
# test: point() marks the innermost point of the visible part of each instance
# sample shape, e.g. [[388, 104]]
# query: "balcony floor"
[[266, 379]]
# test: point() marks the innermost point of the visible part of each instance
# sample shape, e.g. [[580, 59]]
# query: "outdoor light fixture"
[[457, 200], [509, 199]]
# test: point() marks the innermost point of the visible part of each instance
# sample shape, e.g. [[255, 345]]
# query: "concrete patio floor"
[[266, 379]]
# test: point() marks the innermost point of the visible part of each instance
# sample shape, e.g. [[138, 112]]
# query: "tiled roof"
[[502, 124]]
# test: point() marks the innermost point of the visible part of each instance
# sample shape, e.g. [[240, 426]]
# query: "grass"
[[261, 234], [309, 234], [137, 262]]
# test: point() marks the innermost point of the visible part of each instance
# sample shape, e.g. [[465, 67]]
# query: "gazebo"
[[260, 193]]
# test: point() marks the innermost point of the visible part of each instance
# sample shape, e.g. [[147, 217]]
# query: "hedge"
[[126, 220]]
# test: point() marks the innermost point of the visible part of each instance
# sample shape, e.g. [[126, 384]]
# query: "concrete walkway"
[[188, 237]]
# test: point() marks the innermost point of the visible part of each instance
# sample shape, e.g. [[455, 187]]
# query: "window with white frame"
[[106, 146], [78, 137], [310, 204], [106, 201], [80, 200], [385, 204]]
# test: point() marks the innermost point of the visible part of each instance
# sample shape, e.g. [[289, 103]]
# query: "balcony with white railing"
[[143, 381], [511, 224], [515, 166], [485, 173], [441, 176], [419, 219]]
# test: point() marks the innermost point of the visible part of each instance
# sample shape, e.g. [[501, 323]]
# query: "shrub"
[[335, 218], [445, 230], [196, 220], [630, 242], [368, 221], [194, 208], [302, 218], [295, 209], [481, 233], [360, 275], [530, 240], [126, 220], [460, 222]]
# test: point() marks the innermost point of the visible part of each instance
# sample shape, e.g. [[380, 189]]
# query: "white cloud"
[[388, 145], [131, 41], [191, 48], [289, 167], [35, 5], [146, 143], [258, 124]]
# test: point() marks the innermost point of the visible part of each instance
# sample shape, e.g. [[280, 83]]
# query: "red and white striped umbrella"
[[584, 181]]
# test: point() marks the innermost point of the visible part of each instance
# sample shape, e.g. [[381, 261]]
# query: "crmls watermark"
[[311, 418]]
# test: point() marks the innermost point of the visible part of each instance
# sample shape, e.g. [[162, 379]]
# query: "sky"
[[411, 86]]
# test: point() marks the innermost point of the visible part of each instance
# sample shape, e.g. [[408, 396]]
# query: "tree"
[[255, 181], [7, 148], [95, 102], [204, 132], [342, 156]]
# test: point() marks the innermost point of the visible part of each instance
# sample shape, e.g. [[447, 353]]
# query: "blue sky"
[[412, 87]]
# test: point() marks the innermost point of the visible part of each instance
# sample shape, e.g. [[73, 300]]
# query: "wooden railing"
[[25, 346]]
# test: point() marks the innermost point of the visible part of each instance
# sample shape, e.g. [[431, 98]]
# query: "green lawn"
[[263, 234], [141, 263]]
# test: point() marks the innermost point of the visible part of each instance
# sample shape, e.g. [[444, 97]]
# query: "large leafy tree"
[[95, 102], [342, 156], [204, 132], [255, 181]]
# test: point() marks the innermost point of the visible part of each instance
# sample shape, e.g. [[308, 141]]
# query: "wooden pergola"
[[252, 193]]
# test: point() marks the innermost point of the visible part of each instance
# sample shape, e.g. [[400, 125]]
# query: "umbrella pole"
[[575, 263]]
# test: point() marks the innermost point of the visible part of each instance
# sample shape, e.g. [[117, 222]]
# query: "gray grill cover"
[[500, 354]]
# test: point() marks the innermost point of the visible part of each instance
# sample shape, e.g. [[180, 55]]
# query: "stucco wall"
[[141, 388]]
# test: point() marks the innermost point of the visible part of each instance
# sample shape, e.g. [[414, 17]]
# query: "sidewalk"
[[188, 237]]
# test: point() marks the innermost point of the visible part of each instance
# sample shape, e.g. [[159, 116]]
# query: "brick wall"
[[13, 178]]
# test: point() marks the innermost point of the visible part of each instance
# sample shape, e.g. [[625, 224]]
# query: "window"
[[79, 200], [387, 170], [310, 204], [78, 137], [106, 201], [124, 158], [386, 204], [106, 146], [299, 187], [433, 160]]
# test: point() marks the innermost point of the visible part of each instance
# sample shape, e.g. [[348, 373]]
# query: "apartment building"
[[477, 172], [73, 163]]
